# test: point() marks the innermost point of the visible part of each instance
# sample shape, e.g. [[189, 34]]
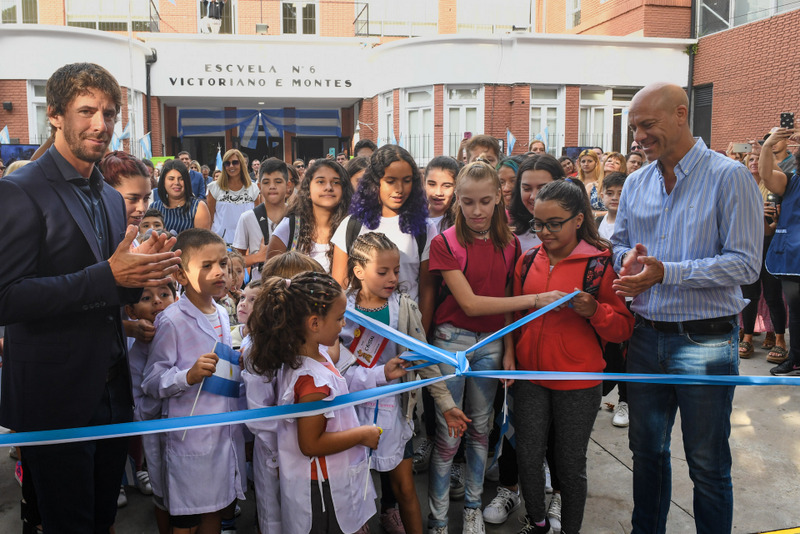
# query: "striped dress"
[[177, 219]]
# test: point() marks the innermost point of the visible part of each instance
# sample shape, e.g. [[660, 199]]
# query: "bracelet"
[[536, 301]]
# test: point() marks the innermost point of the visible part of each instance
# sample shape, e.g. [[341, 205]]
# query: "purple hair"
[[366, 204]]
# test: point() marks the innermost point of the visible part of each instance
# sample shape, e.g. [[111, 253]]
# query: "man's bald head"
[[659, 119], [665, 96]]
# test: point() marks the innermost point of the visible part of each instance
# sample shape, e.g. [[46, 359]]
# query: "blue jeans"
[[705, 424], [476, 396]]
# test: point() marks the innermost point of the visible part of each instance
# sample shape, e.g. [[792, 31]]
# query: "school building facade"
[[299, 79]]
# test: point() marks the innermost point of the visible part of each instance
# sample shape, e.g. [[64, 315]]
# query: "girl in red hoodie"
[[572, 256]]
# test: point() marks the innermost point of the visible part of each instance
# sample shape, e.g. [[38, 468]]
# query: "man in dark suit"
[[67, 269]]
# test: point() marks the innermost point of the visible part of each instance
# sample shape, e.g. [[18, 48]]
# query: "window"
[[573, 13], [701, 117], [228, 18], [718, 15], [386, 119], [19, 11], [463, 113], [547, 111], [416, 127], [594, 119], [108, 15], [38, 123], [136, 121], [299, 18]]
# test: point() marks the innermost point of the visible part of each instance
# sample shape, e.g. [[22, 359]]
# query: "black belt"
[[717, 325]]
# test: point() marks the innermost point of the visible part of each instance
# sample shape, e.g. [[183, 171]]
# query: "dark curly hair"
[[175, 165], [366, 205], [277, 322], [519, 213], [302, 208]]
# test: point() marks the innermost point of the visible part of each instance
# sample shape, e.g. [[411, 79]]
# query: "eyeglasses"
[[234, 162], [552, 226]]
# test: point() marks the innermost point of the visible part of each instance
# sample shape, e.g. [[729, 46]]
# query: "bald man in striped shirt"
[[688, 234]]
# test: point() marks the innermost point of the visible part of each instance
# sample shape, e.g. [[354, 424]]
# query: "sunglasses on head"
[[230, 162]]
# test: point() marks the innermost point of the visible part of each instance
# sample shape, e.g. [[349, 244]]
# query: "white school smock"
[[347, 470], [144, 409], [397, 430], [261, 394], [204, 472]]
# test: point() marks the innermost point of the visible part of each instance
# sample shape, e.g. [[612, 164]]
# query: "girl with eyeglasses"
[[534, 173], [232, 194], [569, 338]]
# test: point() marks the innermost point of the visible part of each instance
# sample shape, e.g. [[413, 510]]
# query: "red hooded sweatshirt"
[[563, 340]]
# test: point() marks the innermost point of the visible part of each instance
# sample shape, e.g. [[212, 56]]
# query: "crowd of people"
[[229, 290]]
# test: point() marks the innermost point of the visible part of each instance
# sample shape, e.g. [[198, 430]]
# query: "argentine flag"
[[510, 142], [218, 163], [147, 148], [5, 139], [226, 379]]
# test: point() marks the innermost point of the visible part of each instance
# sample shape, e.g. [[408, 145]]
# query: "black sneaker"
[[787, 368], [532, 528]]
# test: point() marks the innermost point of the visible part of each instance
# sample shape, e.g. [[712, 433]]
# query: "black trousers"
[[77, 484]]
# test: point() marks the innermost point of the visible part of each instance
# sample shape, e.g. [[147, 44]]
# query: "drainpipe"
[[148, 62]]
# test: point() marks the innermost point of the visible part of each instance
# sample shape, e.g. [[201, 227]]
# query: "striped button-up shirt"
[[708, 232]]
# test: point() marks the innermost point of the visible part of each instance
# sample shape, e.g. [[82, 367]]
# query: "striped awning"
[[274, 122]]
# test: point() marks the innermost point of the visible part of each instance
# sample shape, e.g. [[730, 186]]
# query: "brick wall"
[[438, 119], [448, 9], [396, 115], [654, 18], [572, 101], [178, 18], [250, 13], [755, 76], [368, 117], [52, 12], [156, 139], [336, 19], [507, 107], [16, 92]]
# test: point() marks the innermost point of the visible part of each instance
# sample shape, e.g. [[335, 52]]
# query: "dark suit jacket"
[[58, 300]]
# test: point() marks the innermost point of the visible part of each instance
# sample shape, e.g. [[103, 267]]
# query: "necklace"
[[379, 308]]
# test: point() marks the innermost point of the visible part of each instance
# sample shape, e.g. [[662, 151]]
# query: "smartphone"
[[742, 148], [772, 200], [467, 135], [787, 120]]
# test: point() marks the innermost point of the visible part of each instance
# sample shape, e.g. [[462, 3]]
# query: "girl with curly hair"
[[391, 200], [291, 319], [318, 209]]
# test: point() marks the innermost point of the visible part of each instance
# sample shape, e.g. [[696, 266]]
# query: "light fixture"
[[261, 103]]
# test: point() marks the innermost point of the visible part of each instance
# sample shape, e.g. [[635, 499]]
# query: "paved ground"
[[766, 455]]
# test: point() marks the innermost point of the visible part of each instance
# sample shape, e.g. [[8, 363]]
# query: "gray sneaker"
[[422, 456]]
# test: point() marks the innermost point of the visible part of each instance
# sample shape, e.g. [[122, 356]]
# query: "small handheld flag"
[[226, 379], [5, 138]]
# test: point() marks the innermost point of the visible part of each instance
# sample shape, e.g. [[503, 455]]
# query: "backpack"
[[460, 254], [294, 222], [354, 228], [260, 212], [592, 276]]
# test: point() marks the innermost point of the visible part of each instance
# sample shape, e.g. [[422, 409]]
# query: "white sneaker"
[[143, 483], [501, 506], [473, 521], [122, 499], [554, 512], [621, 415], [548, 484], [437, 530]]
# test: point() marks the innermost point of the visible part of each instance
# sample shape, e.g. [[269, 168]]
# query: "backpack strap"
[[294, 222], [527, 261], [422, 240], [260, 212], [593, 275], [353, 229]]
